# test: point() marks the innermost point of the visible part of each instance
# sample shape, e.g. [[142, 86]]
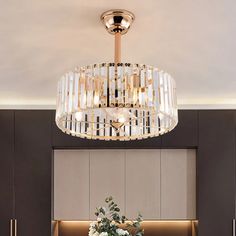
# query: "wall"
[[158, 183]]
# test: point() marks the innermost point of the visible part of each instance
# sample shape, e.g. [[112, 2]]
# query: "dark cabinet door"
[[33, 172], [62, 140], [6, 170], [185, 134], [149, 143], [216, 173]]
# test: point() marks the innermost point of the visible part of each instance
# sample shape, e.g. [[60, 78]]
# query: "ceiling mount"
[[117, 21]]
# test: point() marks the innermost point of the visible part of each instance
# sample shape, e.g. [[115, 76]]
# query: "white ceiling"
[[194, 40]]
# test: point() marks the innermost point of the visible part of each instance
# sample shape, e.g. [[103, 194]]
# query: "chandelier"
[[116, 101]]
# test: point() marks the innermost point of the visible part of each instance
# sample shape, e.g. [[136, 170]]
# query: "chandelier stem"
[[117, 47]]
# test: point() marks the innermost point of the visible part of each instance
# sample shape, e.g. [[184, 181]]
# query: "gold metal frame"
[[140, 91], [117, 20]]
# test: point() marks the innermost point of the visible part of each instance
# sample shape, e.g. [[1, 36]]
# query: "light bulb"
[[83, 100], [121, 115], [79, 115], [135, 130], [96, 99], [122, 119]]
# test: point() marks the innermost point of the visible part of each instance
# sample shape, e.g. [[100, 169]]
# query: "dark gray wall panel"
[[6, 168], [34, 142], [216, 173], [62, 140], [33, 172], [185, 135]]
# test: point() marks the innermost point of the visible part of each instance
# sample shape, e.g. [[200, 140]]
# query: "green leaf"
[[139, 234], [112, 215], [108, 199]]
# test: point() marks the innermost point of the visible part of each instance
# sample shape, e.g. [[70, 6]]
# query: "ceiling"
[[193, 40]]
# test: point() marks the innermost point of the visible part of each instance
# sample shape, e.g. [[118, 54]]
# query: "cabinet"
[[6, 172], [185, 134], [212, 132], [33, 172], [160, 184], [142, 186], [62, 140], [216, 177], [178, 184], [25, 176], [107, 178], [71, 185]]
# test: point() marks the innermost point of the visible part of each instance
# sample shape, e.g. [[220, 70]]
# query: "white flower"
[[103, 234], [119, 231], [92, 231], [93, 223], [122, 232], [99, 219]]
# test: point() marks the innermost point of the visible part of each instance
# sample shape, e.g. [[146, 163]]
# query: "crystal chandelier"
[[116, 101]]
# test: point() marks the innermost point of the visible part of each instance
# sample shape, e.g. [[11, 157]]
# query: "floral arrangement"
[[110, 223]]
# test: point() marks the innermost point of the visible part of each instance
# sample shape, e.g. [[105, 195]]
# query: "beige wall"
[[160, 184]]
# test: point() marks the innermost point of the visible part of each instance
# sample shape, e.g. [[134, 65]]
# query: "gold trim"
[[117, 20]]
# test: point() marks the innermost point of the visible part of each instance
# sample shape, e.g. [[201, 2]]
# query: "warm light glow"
[[96, 99], [122, 119], [145, 221], [166, 222], [78, 115], [94, 102], [75, 221], [151, 227], [119, 114]]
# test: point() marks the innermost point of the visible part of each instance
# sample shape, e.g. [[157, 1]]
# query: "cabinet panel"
[[33, 172], [107, 178], [216, 177], [71, 185], [149, 143], [6, 172], [178, 184], [185, 134], [62, 140], [158, 184], [143, 183]]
